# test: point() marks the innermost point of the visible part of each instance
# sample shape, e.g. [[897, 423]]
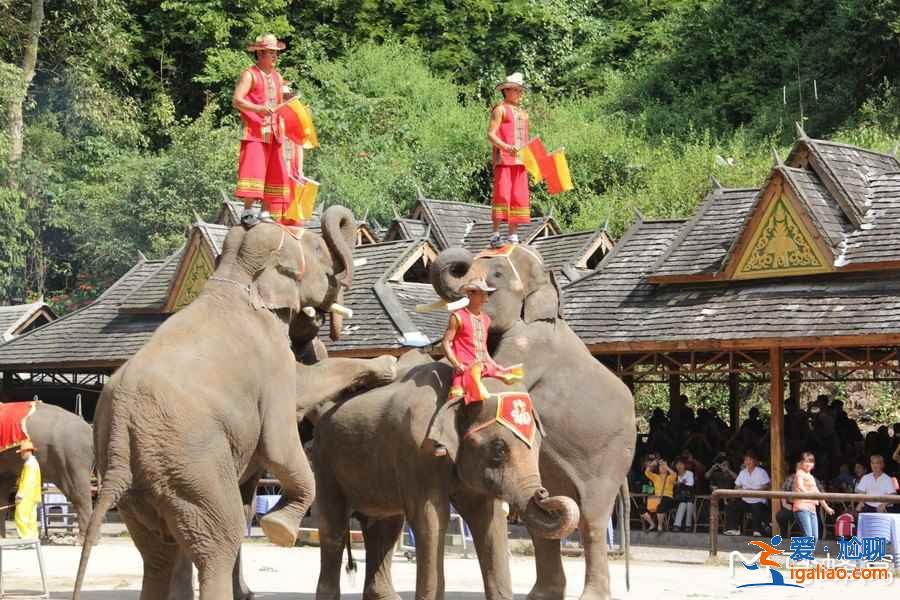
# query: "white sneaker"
[[495, 240], [731, 532], [757, 534], [514, 238]]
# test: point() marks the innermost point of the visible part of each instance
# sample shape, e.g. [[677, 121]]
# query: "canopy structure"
[[796, 281]]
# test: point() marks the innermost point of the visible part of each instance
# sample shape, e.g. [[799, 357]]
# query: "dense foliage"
[[129, 130]]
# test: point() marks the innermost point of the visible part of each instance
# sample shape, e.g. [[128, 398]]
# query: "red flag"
[[298, 123], [555, 169]]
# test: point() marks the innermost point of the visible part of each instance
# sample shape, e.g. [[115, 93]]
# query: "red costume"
[[510, 199], [470, 347], [261, 167]]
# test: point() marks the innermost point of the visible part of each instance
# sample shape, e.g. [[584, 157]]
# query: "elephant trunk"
[[448, 271], [339, 232], [550, 517]]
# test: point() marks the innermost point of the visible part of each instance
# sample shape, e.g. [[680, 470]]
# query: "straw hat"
[[516, 80], [26, 445], [267, 41], [477, 285]]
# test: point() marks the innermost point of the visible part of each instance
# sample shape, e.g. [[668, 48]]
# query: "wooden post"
[[628, 380], [776, 426], [734, 402], [675, 403], [795, 379]]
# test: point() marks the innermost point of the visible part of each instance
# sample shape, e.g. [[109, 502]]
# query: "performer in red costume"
[[261, 167], [508, 133]]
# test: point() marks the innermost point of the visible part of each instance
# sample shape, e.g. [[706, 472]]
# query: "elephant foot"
[[384, 370], [280, 528], [380, 595], [545, 592], [327, 593], [244, 596], [595, 594]]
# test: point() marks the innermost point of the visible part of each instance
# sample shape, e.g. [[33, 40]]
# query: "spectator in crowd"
[[660, 503], [720, 474], [876, 483], [805, 510], [696, 467], [785, 514], [844, 482], [751, 477], [684, 496], [859, 471]]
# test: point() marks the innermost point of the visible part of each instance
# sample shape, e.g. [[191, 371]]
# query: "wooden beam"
[[795, 380], [707, 345], [776, 427], [734, 401]]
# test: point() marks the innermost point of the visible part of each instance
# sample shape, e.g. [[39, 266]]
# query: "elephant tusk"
[[442, 305], [341, 310], [309, 311]]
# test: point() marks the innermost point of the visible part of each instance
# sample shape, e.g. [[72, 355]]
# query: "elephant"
[[373, 456], [208, 402], [325, 381], [587, 411], [65, 453]]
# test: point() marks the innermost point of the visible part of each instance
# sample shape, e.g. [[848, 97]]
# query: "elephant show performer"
[[28, 492], [508, 134], [261, 167]]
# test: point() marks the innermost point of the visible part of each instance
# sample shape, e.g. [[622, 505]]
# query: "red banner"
[[516, 412]]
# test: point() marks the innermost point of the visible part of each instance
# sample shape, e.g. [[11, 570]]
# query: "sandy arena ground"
[[281, 574]]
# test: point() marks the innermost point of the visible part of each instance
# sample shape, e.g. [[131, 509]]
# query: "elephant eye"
[[499, 453]]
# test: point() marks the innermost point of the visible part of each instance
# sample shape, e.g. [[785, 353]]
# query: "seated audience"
[[751, 477], [660, 503], [684, 496], [876, 483]]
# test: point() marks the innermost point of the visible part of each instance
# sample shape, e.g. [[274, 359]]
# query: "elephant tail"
[[625, 528], [115, 483], [351, 562]]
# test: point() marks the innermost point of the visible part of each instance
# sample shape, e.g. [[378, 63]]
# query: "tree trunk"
[[29, 62]]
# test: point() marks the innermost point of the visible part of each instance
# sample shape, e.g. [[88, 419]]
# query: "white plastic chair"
[[19, 544]]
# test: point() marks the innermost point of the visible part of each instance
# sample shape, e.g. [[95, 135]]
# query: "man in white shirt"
[[751, 477], [876, 483]]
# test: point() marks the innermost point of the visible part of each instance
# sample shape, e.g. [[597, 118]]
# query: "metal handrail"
[[772, 494]]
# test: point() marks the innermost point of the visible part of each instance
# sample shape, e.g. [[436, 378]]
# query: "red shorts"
[[510, 201], [262, 174]]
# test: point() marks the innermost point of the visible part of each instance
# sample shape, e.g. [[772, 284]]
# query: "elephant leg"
[[158, 556], [487, 522], [428, 518], [380, 537], [551, 579], [596, 508], [282, 454], [328, 379], [334, 521], [248, 498], [75, 484], [181, 584]]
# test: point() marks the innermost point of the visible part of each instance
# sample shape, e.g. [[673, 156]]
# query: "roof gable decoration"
[[18, 319], [197, 264], [594, 251], [418, 261], [780, 239]]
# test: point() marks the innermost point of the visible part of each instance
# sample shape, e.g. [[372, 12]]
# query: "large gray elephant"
[[373, 458], [209, 402], [587, 411], [65, 453], [322, 382]]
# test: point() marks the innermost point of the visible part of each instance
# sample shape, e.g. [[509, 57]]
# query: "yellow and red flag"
[[555, 169], [298, 123], [303, 199], [531, 156]]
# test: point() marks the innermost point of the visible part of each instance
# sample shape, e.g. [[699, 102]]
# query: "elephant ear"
[[543, 299], [444, 430], [274, 289]]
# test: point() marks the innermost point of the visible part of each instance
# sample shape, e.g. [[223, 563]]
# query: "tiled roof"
[[451, 221], [382, 309], [12, 318], [824, 209], [96, 335], [878, 240], [617, 308], [151, 294], [562, 253], [705, 240]]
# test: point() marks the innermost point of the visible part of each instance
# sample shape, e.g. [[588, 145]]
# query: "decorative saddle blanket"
[[13, 417]]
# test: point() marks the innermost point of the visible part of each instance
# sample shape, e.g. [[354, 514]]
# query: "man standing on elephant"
[[28, 492], [508, 134], [261, 169]]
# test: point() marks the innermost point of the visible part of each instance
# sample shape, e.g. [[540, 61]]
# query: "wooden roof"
[[19, 318]]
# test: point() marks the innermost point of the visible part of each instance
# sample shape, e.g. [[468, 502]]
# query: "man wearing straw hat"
[[261, 170], [28, 492], [508, 133]]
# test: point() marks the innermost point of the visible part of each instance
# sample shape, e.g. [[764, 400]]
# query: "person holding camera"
[[663, 478], [684, 496]]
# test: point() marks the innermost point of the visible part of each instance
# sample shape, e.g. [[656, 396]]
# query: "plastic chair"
[[19, 544]]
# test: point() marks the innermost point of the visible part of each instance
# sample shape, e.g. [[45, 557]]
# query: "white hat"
[[514, 80], [266, 42]]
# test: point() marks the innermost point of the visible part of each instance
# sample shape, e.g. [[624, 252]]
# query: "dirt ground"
[[281, 574]]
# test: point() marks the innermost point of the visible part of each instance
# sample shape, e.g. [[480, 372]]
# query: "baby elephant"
[[372, 457]]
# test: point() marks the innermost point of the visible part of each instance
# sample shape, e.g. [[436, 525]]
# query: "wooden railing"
[[774, 495]]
